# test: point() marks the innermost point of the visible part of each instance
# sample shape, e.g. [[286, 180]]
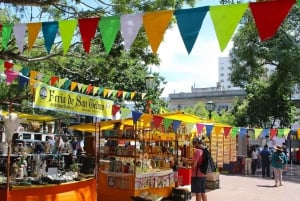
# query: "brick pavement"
[[234, 187]]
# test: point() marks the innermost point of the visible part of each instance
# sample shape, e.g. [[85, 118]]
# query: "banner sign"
[[52, 98]]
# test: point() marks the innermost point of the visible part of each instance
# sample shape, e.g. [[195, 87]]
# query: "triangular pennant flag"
[[125, 113], [101, 89], [136, 116], [109, 27], [143, 95], [61, 82], [124, 94], [105, 92], [33, 74], [6, 32], [227, 130], [22, 81], [243, 131], [110, 92], [257, 132], [73, 85], [298, 3], [199, 128], [208, 128], [231, 14], [286, 132], [132, 94], [83, 88], [66, 30], [88, 28], [53, 80], [40, 76], [157, 121], [119, 93], [79, 86], [49, 32], [95, 90], [218, 129], [8, 65], [89, 89], [280, 132], [155, 24], [265, 132], [189, 127], [46, 79], [33, 31], [25, 71], [147, 119], [176, 125], [115, 109], [10, 76], [269, 15], [130, 26], [167, 123], [189, 22], [19, 31], [235, 131], [127, 95], [114, 94], [273, 132], [67, 84]]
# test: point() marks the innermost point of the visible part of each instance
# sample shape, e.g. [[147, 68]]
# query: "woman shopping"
[[279, 162]]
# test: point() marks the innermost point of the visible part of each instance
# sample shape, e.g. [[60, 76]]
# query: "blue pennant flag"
[[136, 116]]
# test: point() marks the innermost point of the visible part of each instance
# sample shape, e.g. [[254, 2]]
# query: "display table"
[[122, 186], [78, 191]]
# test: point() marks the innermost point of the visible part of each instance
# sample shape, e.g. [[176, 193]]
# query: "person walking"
[[254, 155], [198, 177], [279, 162], [265, 156]]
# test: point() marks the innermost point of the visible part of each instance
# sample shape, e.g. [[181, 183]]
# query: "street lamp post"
[[210, 107], [149, 86]]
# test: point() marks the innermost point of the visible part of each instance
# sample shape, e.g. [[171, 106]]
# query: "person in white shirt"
[[254, 155]]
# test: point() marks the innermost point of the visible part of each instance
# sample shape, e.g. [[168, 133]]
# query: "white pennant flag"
[[130, 26], [19, 31]]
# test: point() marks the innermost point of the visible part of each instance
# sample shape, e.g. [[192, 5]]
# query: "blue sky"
[[200, 67]]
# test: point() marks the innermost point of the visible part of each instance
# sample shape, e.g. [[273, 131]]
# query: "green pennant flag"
[[46, 79], [167, 123], [280, 132], [234, 131], [109, 27], [6, 32], [66, 30], [225, 19], [84, 87], [298, 3]]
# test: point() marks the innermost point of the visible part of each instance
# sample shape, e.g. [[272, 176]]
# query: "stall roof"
[[33, 117]]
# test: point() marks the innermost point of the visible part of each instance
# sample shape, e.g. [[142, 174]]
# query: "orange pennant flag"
[[218, 129], [119, 93], [89, 88], [73, 85], [155, 24], [33, 31]]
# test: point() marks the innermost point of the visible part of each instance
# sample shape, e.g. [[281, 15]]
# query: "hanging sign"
[[52, 98]]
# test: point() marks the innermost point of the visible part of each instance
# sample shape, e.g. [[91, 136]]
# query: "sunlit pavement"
[[237, 187]]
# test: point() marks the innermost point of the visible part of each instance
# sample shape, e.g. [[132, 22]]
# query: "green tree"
[[268, 92]]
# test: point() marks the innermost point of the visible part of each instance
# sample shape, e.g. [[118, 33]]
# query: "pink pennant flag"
[[10, 76], [199, 128], [19, 31], [269, 15], [130, 26], [88, 28]]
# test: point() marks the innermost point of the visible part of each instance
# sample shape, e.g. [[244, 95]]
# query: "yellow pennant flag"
[[155, 24], [132, 94], [105, 92], [73, 85], [218, 129]]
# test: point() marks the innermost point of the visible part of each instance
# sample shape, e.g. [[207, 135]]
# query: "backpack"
[[208, 164]]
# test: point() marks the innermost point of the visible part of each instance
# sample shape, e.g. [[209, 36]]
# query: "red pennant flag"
[[157, 121], [8, 65], [119, 93], [89, 88], [115, 109], [53, 80], [226, 130], [273, 132], [269, 15], [10, 76], [87, 28]]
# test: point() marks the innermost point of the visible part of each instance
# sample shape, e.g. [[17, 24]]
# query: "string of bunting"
[[268, 16]]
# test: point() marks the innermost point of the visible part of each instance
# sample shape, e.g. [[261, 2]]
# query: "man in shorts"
[[198, 178]]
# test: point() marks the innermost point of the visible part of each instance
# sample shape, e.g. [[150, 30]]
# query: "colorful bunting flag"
[[109, 27], [88, 28], [189, 22], [33, 31], [66, 30], [136, 116], [19, 31], [6, 32], [49, 31]]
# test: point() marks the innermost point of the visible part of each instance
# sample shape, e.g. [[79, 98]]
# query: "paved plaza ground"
[[237, 187]]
